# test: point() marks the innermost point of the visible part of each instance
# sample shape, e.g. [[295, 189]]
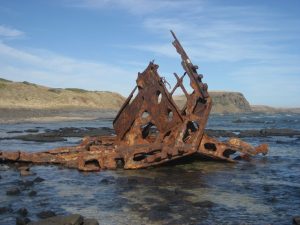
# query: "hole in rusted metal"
[[92, 164], [139, 156], [170, 115], [191, 127], [228, 152], [196, 125], [159, 96], [180, 98], [145, 115], [142, 155], [167, 134], [120, 162], [149, 132], [210, 146], [146, 129]]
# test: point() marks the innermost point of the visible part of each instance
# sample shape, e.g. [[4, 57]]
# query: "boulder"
[[32, 193], [73, 219], [23, 211], [296, 220], [5, 209], [46, 214], [22, 220], [13, 191], [38, 180], [90, 222]]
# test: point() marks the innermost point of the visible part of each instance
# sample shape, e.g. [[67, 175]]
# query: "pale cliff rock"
[[223, 102]]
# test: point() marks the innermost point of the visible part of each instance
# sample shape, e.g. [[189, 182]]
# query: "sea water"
[[265, 190]]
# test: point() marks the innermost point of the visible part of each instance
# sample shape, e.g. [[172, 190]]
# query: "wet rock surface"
[[46, 214], [61, 134], [32, 193], [22, 220], [38, 180], [13, 191], [73, 219], [263, 191], [23, 212], [296, 220], [5, 209], [253, 133]]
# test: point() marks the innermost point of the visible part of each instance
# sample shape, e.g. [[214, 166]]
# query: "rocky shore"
[[61, 134], [20, 115], [26, 185]]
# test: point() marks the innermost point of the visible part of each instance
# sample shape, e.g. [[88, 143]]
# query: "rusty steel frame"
[[150, 129]]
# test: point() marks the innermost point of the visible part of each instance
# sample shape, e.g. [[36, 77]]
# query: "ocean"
[[265, 190]]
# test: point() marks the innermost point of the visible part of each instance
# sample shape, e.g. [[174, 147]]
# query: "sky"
[[249, 46]]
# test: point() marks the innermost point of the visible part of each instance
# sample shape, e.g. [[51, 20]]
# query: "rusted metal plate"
[[150, 128]]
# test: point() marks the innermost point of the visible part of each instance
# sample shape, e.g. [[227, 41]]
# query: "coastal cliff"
[[32, 96], [27, 95], [223, 102], [24, 101], [28, 102]]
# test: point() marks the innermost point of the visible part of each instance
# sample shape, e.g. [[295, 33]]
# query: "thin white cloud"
[[60, 71], [10, 32]]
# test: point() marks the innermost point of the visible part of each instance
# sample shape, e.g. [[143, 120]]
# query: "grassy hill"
[[31, 96]]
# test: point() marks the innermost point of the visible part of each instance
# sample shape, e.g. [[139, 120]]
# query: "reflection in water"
[[263, 191]]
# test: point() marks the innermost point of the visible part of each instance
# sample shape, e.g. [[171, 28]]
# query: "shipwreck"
[[150, 129]]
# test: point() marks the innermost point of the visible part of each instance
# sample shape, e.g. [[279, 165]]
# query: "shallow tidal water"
[[265, 190]]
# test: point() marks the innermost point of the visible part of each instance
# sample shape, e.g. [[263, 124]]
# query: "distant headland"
[[24, 101]]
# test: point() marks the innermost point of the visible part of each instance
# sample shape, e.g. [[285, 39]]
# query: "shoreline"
[[28, 115], [45, 115]]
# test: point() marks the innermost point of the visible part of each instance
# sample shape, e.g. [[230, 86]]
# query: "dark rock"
[[26, 173], [13, 191], [14, 132], [32, 130], [296, 220], [25, 168], [159, 212], [28, 183], [38, 180], [107, 180], [253, 133], [23, 212], [269, 132], [220, 133], [58, 135], [90, 222], [5, 209], [132, 181], [73, 219], [22, 221], [204, 204], [32, 193], [46, 214], [41, 138]]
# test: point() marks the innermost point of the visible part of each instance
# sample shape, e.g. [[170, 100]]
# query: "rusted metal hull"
[[150, 129]]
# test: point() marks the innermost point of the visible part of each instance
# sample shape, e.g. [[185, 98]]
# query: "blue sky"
[[248, 46]]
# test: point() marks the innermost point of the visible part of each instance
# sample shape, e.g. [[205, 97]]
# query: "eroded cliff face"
[[223, 102], [229, 102]]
